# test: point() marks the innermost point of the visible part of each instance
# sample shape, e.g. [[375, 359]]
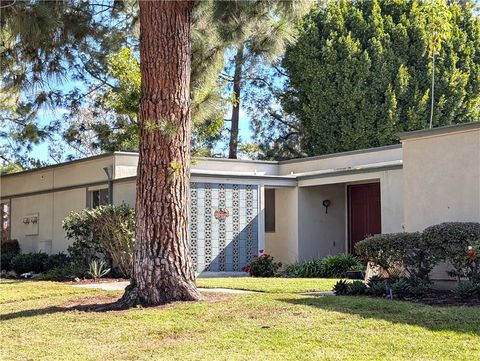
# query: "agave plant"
[[341, 288], [98, 269]]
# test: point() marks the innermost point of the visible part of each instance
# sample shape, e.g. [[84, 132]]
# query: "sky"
[[45, 116]]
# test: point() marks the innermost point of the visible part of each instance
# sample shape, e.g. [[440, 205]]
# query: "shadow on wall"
[[224, 254], [434, 318]]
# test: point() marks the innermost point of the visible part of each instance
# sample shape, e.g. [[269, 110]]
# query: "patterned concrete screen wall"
[[223, 225]]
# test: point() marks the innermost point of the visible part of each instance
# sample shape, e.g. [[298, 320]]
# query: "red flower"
[[266, 255], [260, 251], [470, 252], [255, 256]]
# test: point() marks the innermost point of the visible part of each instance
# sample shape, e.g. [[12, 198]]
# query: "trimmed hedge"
[[449, 242], [415, 254]]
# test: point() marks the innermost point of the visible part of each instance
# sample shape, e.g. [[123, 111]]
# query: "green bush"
[[56, 261], [338, 266], [467, 289], [106, 233], [262, 266], [10, 246], [401, 288], [450, 241], [63, 273], [9, 249], [29, 262], [329, 267], [399, 254], [357, 288], [378, 289], [309, 269]]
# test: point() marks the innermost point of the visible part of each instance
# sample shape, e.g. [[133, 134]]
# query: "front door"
[[364, 212]]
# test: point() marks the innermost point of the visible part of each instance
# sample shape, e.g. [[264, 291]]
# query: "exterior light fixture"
[[326, 203]]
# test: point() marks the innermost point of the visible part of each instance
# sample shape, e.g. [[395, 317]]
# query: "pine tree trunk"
[[162, 270], [237, 78]]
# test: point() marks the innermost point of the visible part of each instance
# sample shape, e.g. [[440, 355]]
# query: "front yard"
[[39, 322]]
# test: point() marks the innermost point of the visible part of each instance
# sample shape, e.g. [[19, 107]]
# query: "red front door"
[[364, 212]]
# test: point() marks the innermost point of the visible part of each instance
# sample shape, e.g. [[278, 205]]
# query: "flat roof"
[[440, 130]]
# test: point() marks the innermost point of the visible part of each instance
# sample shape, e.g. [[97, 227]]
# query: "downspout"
[[109, 172]]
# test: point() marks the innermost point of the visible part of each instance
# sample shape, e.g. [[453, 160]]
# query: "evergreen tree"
[[360, 73]]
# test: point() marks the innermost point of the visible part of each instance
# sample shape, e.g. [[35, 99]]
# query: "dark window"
[[98, 198], [269, 210], [5, 219]]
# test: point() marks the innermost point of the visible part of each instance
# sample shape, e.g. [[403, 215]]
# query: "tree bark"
[[237, 79], [162, 270]]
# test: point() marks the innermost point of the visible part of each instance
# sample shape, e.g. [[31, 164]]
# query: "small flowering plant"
[[262, 265]]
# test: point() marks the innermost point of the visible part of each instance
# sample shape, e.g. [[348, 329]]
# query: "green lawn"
[[277, 285], [37, 324]]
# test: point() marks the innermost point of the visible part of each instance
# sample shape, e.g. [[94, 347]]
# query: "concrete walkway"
[[120, 286]]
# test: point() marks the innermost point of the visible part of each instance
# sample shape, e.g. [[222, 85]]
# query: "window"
[[97, 198], [269, 210], [5, 219]]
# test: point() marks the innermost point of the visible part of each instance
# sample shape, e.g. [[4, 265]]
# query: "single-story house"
[[296, 209]]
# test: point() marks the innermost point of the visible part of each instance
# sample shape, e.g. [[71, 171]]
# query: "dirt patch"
[[107, 303]]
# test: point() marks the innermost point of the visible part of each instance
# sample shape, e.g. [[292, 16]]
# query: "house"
[[296, 209]]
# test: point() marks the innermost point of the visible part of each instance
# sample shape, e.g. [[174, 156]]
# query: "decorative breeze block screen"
[[223, 225]]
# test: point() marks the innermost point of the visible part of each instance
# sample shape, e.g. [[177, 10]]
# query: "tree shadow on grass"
[[456, 319], [94, 307]]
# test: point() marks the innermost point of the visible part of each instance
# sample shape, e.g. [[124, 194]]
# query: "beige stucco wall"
[[321, 234], [52, 208], [442, 183], [124, 192], [442, 179], [391, 193], [283, 243]]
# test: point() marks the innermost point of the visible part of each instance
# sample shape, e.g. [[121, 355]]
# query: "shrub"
[[56, 261], [10, 246], [62, 273], [262, 266], [399, 254], [467, 289], [357, 288], [105, 232], [378, 289], [341, 288], [329, 267], [401, 288], [338, 266], [309, 269], [9, 249], [29, 262], [450, 241]]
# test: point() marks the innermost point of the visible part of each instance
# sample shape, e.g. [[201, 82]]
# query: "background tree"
[[360, 73], [257, 32], [162, 270]]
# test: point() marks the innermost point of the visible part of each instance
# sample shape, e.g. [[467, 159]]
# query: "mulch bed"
[[443, 298]]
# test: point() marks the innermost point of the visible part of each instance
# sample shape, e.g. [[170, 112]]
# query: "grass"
[[36, 324], [275, 285]]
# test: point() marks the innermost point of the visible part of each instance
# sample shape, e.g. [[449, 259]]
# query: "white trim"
[[246, 180]]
